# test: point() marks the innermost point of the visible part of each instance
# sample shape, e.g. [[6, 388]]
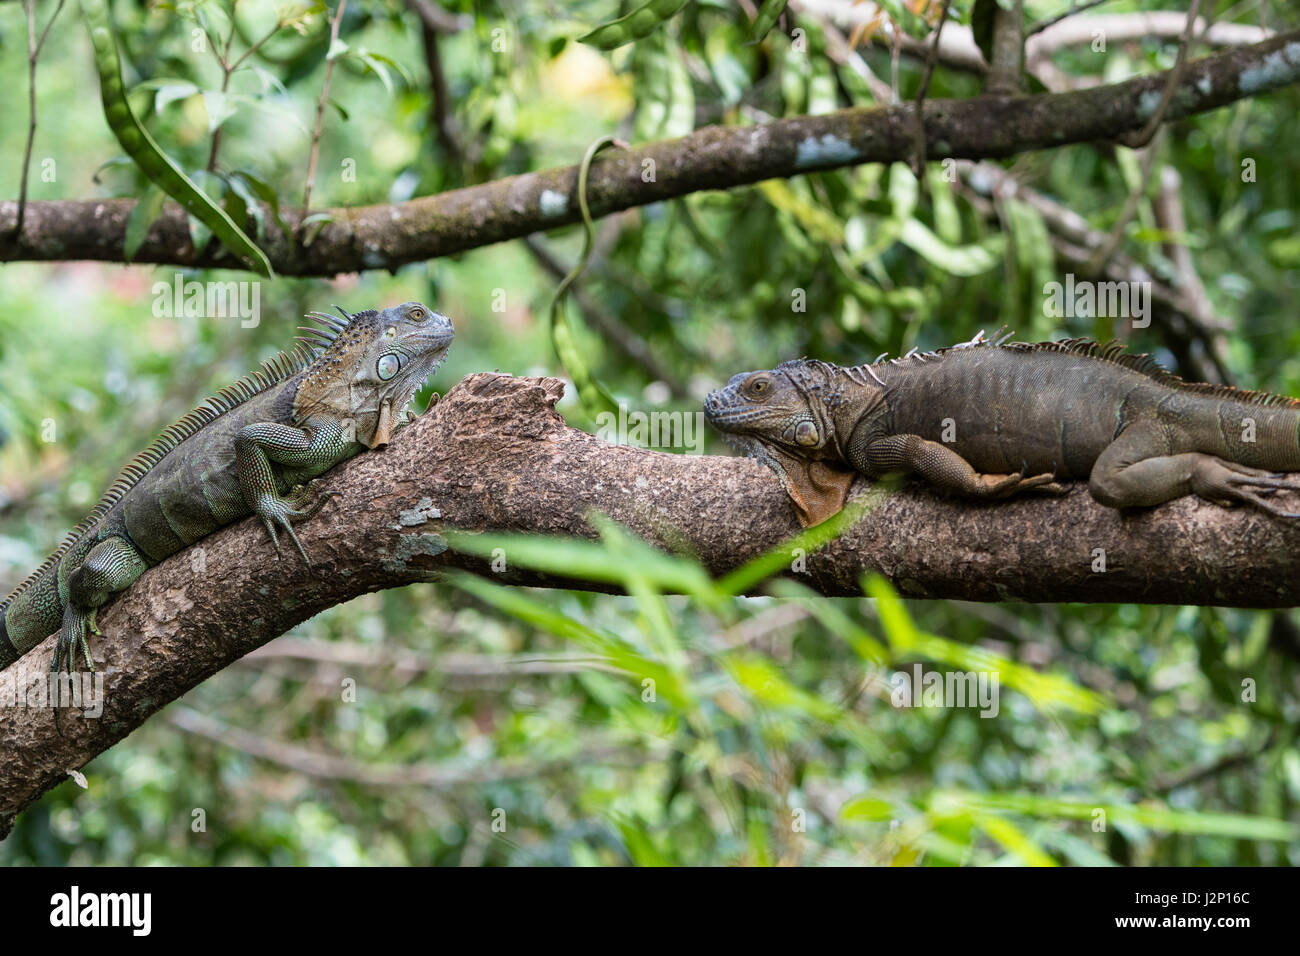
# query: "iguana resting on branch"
[[253, 448], [991, 419]]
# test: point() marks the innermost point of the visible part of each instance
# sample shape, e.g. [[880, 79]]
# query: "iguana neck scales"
[[253, 448], [989, 420]]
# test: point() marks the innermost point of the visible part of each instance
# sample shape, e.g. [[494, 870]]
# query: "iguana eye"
[[388, 366], [417, 314], [759, 387], [390, 333]]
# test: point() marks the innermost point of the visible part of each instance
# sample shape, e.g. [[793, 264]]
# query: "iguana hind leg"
[[260, 446], [1132, 473], [111, 565]]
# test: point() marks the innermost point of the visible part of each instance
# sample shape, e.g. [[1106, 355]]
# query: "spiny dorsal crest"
[[828, 382], [337, 341], [271, 372], [1112, 352]]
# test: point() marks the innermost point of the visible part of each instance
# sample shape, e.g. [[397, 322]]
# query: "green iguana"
[[990, 419], [253, 448]]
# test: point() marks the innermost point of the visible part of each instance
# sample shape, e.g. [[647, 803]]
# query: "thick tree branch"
[[494, 455], [387, 236]]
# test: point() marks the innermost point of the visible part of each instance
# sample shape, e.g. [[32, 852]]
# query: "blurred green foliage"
[[508, 726]]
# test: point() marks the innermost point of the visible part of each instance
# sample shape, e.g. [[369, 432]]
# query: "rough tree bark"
[[390, 235], [494, 455]]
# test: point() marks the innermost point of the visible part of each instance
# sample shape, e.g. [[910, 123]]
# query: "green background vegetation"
[[767, 740]]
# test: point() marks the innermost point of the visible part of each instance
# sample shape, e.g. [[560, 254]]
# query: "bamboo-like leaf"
[[146, 210], [146, 153], [637, 25]]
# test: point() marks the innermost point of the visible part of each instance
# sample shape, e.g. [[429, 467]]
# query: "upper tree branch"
[[493, 455], [387, 236]]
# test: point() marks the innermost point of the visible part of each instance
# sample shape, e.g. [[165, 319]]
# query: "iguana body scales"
[[989, 420], [253, 448]]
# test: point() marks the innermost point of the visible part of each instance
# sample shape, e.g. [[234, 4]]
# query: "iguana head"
[[786, 419], [370, 365]]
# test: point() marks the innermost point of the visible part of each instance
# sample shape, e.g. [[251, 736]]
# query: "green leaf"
[[147, 208], [768, 14], [587, 560], [637, 25], [968, 260], [513, 601], [220, 107], [766, 684], [263, 192], [115, 161], [146, 153], [1151, 816], [816, 221], [807, 541], [313, 224], [169, 91], [867, 807]]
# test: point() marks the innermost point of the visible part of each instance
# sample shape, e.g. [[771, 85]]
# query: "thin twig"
[[930, 61], [34, 47], [335, 22], [438, 19], [896, 49], [625, 339], [329, 766], [440, 119], [1103, 254], [1042, 25], [228, 69], [1171, 84], [1232, 761]]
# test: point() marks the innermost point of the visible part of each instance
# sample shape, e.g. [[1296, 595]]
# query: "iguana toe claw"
[[278, 511], [1218, 480]]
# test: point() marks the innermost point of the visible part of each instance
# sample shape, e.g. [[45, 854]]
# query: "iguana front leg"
[[260, 446], [939, 465]]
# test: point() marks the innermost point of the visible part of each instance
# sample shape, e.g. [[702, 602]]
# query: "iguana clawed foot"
[[72, 636], [1004, 486], [1227, 483], [274, 511]]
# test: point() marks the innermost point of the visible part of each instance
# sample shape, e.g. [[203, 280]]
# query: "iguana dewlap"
[[989, 420], [250, 449]]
